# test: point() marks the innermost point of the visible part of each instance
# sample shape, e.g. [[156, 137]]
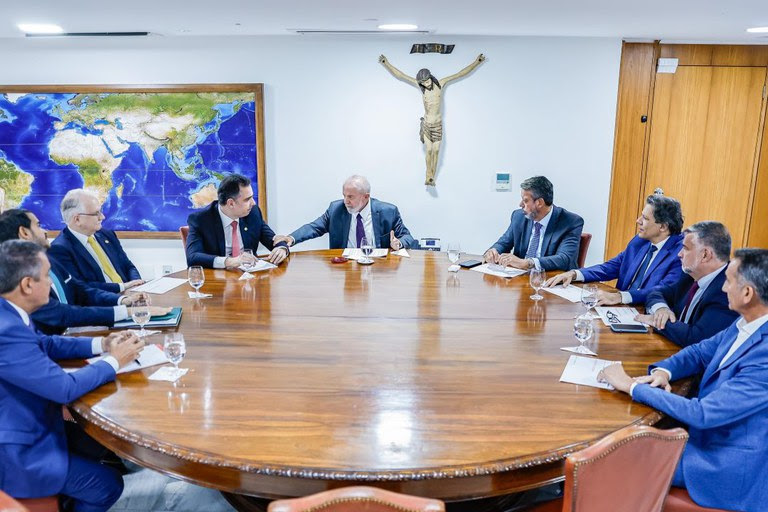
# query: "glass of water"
[[454, 253], [583, 331], [174, 348], [196, 279], [589, 296], [536, 278], [248, 258], [140, 313], [367, 249]]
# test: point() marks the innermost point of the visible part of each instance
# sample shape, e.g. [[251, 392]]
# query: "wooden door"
[[704, 142]]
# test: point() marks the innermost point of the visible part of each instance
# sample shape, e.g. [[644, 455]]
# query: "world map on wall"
[[151, 157]]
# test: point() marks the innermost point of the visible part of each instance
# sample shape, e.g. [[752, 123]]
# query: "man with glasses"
[[88, 252], [649, 259], [722, 465]]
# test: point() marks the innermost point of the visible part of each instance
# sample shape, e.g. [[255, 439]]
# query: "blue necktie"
[[643, 268], [58, 287], [533, 247], [360, 232]]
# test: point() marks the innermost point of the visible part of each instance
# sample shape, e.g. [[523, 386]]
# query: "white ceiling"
[[686, 20]]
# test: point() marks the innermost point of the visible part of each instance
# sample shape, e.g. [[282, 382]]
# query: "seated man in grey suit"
[[540, 235], [358, 215]]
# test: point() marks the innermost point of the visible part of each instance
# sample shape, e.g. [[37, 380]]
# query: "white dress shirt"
[[83, 239], [367, 226], [95, 342], [226, 222], [626, 297], [544, 223], [704, 282]]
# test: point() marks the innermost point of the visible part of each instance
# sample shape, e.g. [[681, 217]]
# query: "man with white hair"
[[87, 251], [347, 221]]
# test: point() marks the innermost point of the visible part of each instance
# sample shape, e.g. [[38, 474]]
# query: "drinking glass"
[[196, 279], [140, 313], [583, 330], [248, 258], [174, 348], [454, 252], [536, 278], [367, 249], [589, 296]]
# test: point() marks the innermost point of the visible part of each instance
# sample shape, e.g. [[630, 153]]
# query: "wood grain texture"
[[704, 138], [635, 86], [757, 228], [399, 375], [716, 55]]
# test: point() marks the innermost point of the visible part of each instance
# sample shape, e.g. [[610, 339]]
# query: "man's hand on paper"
[[129, 298], [608, 298], [133, 284], [615, 375], [565, 279], [125, 349], [510, 260], [491, 256]]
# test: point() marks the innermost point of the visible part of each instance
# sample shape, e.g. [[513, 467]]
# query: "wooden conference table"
[[400, 375]]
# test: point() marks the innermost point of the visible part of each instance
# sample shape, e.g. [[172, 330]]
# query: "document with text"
[[617, 315], [356, 254], [161, 285], [498, 270], [584, 370], [570, 292]]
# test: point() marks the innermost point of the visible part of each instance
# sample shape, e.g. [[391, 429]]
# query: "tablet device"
[[470, 263], [629, 328]]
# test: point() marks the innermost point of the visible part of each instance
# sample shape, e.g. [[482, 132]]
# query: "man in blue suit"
[[695, 307], [88, 252], [72, 303], [221, 232], [649, 260], [36, 458], [540, 235], [377, 221], [723, 464]]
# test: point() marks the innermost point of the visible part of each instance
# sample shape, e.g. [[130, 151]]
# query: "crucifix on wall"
[[431, 129]]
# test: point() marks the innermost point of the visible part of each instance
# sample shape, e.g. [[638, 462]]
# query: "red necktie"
[[235, 240], [688, 299]]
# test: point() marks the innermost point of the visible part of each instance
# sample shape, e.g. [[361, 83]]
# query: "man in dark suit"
[[36, 457], [723, 464], [72, 303], [88, 252], [649, 260], [540, 235], [221, 232], [695, 307], [377, 221]]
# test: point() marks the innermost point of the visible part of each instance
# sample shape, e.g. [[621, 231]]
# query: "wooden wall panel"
[[758, 226], [716, 55], [635, 84]]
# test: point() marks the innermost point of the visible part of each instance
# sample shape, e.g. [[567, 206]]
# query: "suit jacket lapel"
[[102, 240], [246, 234], [744, 348], [525, 237], [82, 253], [215, 219], [550, 230]]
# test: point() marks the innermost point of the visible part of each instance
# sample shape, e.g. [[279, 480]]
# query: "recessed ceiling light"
[[758, 30], [398, 26], [40, 28]]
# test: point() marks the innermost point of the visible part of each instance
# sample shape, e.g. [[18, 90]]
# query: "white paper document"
[[621, 315], [246, 276], [402, 252], [169, 374], [498, 270], [71, 331], [161, 285], [570, 292], [584, 370], [586, 351], [150, 355], [199, 295], [258, 266], [356, 254]]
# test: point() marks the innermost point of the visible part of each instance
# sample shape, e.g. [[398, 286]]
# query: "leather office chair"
[[8, 504], [357, 499], [630, 469], [586, 238], [679, 501], [184, 230]]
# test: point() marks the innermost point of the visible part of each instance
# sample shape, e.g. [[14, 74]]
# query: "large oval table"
[[400, 374]]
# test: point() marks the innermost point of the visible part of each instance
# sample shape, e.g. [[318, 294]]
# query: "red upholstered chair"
[[679, 501], [184, 230], [8, 504], [357, 499], [628, 470], [586, 238]]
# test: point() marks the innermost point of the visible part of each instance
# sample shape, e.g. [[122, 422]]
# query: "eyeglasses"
[[97, 214], [612, 317]]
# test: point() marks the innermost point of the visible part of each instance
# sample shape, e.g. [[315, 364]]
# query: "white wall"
[[536, 106]]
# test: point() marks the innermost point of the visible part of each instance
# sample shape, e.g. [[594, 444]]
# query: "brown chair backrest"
[[357, 499], [586, 238], [184, 230], [630, 469]]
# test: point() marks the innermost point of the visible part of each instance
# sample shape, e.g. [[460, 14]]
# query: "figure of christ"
[[431, 130]]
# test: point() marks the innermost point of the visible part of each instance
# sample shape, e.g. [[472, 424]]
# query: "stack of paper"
[[172, 319], [498, 270], [584, 370], [356, 254], [150, 355], [160, 285], [258, 266], [620, 315], [570, 292]]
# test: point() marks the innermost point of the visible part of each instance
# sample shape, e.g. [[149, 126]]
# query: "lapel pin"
[[245, 228]]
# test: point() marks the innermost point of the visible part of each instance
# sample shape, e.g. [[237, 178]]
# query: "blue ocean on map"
[[149, 192]]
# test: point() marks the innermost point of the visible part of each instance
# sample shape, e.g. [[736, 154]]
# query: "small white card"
[[199, 295], [169, 374], [584, 370], [258, 266], [402, 252], [584, 351]]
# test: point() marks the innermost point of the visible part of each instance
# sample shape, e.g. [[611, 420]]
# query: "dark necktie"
[[360, 230], [534, 245], [637, 281], [689, 299]]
